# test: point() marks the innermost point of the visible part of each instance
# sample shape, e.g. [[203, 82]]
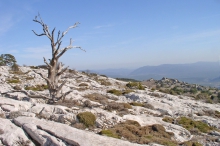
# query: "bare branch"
[[63, 70], [45, 61], [65, 32], [38, 34], [60, 87], [64, 95], [26, 93], [43, 77], [67, 48]]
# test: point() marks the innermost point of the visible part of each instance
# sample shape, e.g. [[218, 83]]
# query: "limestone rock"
[[72, 135], [12, 135]]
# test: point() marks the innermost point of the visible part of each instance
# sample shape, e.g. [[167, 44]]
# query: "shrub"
[[115, 92], [147, 105], [29, 78], [87, 103], [193, 90], [37, 87], [127, 91], [17, 87], [135, 85], [168, 119], [126, 105], [136, 104], [104, 82], [202, 96], [109, 133], [15, 67], [96, 97], [87, 118], [14, 81], [191, 124], [133, 132]]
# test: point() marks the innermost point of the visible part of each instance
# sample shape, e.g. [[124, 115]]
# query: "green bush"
[[191, 124], [13, 81], [87, 118], [37, 88], [133, 132], [135, 85], [109, 133], [168, 119], [115, 92], [137, 104]]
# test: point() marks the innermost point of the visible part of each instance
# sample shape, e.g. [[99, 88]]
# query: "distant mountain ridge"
[[205, 73]]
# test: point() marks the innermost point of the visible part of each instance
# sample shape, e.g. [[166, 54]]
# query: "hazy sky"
[[115, 33]]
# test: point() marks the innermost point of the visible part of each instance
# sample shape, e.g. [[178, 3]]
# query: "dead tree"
[[55, 69]]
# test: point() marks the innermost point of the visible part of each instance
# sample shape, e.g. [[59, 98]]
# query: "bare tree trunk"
[[55, 69]]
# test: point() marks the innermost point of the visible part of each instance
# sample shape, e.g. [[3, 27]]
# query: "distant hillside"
[[204, 73]]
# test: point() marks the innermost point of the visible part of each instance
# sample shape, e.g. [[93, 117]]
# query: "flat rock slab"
[[72, 135], [11, 135]]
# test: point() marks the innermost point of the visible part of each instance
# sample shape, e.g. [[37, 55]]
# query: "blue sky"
[[114, 33]]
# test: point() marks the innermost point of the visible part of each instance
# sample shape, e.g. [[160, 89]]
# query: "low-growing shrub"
[[105, 82], [115, 92], [191, 124], [29, 78], [37, 87], [135, 85], [121, 108], [137, 104], [133, 132], [17, 87], [87, 103], [168, 119], [109, 133], [13, 81], [149, 106], [190, 143], [87, 118], [96, 97]]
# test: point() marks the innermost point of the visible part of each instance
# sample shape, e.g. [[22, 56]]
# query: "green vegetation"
[[87, 118], [29, 78], [105, 82], [109, 133], [37, 87], [191, 125], [115, 92], [133, 132], [127, 80], [168, 119], [119, 93], [190, 143], [13, 81], [7, 60], [137, 104], [135, 85]]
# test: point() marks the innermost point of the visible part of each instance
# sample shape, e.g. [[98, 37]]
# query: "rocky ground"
[[102, 111]]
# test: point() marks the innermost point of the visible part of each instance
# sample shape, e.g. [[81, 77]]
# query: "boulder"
[[12, 135], [69, 134]]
